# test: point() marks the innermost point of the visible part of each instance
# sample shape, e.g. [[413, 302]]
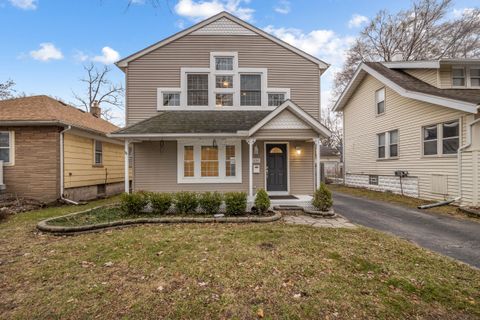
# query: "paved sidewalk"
[[338, 222]]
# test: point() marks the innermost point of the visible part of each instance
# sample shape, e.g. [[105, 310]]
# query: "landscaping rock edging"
[[64, 230], [330, 214]]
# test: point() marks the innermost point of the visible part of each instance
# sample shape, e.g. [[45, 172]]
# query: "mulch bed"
[[11, 204]]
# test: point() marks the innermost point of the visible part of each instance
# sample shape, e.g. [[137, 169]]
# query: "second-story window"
[[250, 90], [380, 101], [275, 99], [224, 63], [475, 77], [197, 89], [441, 139], [171, 99], [458, 77]]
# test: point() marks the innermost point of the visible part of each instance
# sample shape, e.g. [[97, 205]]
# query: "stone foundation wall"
[[92, 192], [385, 183]]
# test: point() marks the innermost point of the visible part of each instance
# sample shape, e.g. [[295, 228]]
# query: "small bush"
[[236, 203], [322, 198], [262, 201], [132, 203], [210, 202], [186, 202], [160, 202]]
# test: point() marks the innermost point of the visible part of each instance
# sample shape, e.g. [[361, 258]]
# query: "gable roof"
[[45, 110], [466, 100], [124, 62]]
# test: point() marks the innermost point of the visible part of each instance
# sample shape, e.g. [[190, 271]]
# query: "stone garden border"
[[71, 230], [330, 214]]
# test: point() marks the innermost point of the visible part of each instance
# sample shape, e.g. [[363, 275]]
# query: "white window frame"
[[467, 73], [11, 148], [212, 90], [197, 146], [95, 164], [470, 76], [440, 153], [465, 76], [384, 101], [387, 145]]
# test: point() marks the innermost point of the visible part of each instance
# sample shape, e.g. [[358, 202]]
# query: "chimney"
[[95, 109]]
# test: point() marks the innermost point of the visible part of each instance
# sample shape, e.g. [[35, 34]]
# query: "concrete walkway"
[[456, 238], [338, 222]]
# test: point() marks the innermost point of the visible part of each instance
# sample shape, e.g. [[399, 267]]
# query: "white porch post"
[[318, 143], [250, 142], [127, 178]]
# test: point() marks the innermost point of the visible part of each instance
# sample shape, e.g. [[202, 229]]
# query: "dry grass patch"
[[226, 271]]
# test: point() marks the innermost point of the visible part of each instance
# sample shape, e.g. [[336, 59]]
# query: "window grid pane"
[[188, 162], [393, 137], [224, 99], [4, 139], [5, 154], [98, 152], [380, 101], [209, 161], [275, 99], [458, 77], [224, 82], [197, 89], [223, 63], [230, 161], [475, 77], [381, 145], [171, 99], [250, 90]]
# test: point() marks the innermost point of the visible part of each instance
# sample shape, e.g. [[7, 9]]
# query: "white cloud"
[[137, 2], [80, 56], [283, 7], [457, 13], [47, 51], [199, 10], [357, 20], [108, 56], [24, 4]]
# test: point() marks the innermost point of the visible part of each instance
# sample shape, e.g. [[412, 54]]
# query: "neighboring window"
[[224, 82], [380, 101], [458, 77], [223, 63], [441, 139], [275, 99], [230, 161], [209, 161], [250, 90], [197, 89], [98, 152], [450, 139], [171, 99], [381, 145], [475, 77], [373, 180], [393, 143], [6, 147], [188, 161], [224, 99]]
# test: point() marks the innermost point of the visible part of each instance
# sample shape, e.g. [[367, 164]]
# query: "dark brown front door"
[[277, 167]]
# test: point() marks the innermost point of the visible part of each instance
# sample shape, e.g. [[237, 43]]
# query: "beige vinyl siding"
[[408, 116], [291, 133], [161, 68], [79, 169], [156, 169], [429, 76], [445, 75]]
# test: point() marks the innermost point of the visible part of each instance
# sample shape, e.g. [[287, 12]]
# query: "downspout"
[[460, 152], [61, 167]]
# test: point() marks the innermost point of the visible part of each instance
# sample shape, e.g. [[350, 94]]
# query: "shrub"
[[235, 202], [186, 202], [322, 198], [210, 202], [262, 201], [134, 202], [160, 202]]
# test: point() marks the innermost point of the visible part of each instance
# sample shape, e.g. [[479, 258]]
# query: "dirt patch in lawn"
[[222, 271]]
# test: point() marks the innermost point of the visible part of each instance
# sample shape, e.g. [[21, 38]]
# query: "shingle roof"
[[44, 108], [196, 122], [410, 83]]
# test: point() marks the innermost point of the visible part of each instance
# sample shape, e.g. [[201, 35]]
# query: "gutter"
[[62, 189], [460, 152]]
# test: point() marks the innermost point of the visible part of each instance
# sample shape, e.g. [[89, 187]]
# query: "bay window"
[[197, 89], [441, 139], [6, 147], [250, 90]]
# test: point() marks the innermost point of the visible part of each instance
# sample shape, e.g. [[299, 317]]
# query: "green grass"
[[401, 200], [218, 271]]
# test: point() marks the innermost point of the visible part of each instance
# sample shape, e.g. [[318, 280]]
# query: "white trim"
[[161, 92], [412, 64], [440, 139], [466, 74], [11, 148], [123, 63], [446, 102], [265, 167], [318, 163], [126, 164], [177, 135], [197, 144]]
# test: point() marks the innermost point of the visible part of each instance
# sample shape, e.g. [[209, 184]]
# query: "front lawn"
[[218, 271]]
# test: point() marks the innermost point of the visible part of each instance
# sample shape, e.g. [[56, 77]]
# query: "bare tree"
[[419, 33], [333, 121], [6, 89], [99, 88]]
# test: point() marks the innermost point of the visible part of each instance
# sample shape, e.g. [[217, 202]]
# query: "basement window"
[[373, 180]]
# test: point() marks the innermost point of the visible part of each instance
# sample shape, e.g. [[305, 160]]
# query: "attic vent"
[[439, 184]]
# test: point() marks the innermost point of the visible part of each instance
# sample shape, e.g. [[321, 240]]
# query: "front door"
[[277, 167]]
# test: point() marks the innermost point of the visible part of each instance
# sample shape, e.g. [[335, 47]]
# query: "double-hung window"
[[387, 144], [224, 80], [197, 89], [6, 147], [250, 90], [458, 77], [380, 101], [98, 152], [475, 77], [441, 139], [209, 161]]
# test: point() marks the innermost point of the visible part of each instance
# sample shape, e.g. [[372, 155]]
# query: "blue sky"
[[45, 42]]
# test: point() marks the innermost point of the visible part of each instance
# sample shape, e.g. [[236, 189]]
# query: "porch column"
[[127, 178], [250, 142], [318, 143]]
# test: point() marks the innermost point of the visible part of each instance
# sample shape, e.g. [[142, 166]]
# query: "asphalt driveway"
[[459, 239]]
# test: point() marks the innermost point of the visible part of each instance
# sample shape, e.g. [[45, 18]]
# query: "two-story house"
[[223, 106], [414, 128]]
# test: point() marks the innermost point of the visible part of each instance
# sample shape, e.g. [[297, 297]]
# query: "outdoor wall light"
[[298, 150]]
